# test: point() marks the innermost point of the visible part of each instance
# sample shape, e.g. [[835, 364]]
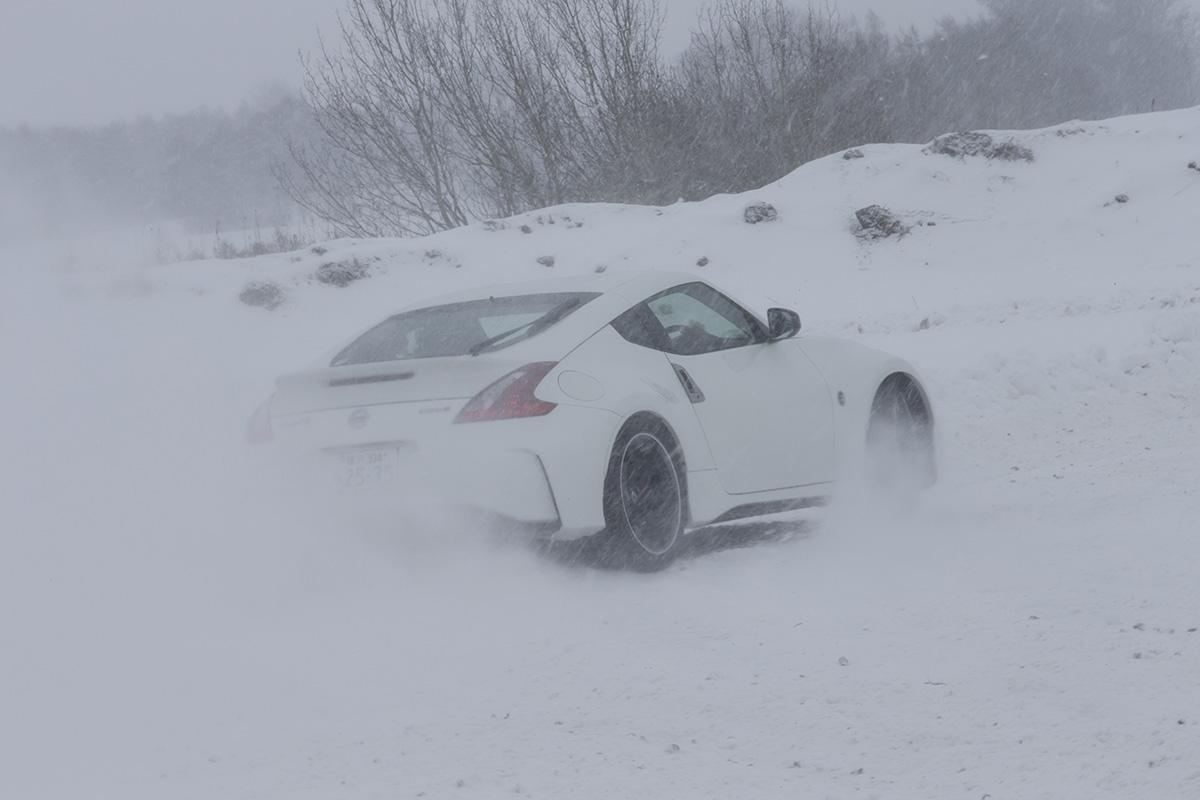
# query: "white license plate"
[[367, 468]]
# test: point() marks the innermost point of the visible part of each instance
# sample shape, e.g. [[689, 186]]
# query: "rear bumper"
[[544, 475]]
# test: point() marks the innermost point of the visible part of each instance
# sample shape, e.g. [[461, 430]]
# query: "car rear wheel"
[[645, 508]]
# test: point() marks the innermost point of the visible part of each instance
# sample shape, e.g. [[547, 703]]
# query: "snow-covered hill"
[[172, 630]]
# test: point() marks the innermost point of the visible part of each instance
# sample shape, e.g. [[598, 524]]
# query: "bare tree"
[[777, 86], [387, 164], [439, 111]]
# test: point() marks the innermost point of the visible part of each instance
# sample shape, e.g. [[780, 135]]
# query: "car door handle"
[[689, 386]]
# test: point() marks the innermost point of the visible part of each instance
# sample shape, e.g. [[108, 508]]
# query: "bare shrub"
[[775, 86], [976, 144], [440, 111], [342, 273], [264, 294], [283, 241]]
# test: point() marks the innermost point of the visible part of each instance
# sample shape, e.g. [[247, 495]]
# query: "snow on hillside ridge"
[[1033, 631], [983, 231]]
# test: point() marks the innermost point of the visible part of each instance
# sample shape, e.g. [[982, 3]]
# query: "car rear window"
[[460, 329]]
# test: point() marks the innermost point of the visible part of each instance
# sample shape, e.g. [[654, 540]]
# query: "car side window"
[[697, 319], [639, 326]]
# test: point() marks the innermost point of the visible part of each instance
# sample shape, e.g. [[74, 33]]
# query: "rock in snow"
[[760, 212], [876, 222]]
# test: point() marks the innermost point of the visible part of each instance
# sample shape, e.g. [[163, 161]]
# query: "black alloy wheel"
[[645, 501]]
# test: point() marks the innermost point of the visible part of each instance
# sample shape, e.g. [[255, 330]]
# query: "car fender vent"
[[689, 385], [360, 380]]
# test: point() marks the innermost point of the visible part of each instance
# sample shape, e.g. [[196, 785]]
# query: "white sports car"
[[633, 407]]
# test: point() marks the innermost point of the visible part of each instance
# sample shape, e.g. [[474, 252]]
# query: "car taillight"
[[258, 427], [510, 397]]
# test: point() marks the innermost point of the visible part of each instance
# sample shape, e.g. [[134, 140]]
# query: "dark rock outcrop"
[[760, 212], [876, 222]]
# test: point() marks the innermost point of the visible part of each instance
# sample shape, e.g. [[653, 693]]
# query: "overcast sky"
[[94, 61]]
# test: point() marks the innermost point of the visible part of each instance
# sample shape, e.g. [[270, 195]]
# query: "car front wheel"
[[900, 451]]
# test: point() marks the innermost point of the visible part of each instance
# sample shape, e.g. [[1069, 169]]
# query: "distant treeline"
[[430, 113], [210, 170], [440, 111]]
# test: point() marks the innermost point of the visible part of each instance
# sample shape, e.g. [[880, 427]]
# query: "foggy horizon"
[[131, 61]]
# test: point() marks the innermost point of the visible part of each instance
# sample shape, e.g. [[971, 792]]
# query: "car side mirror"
[[783, 323]]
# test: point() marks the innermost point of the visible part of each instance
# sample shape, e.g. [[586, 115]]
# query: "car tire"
[[645, 498], [900, 450]]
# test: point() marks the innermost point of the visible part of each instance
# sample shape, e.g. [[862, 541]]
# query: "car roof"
[[618, 291]]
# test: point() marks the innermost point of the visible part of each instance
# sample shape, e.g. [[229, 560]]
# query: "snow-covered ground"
[[170, 629]]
